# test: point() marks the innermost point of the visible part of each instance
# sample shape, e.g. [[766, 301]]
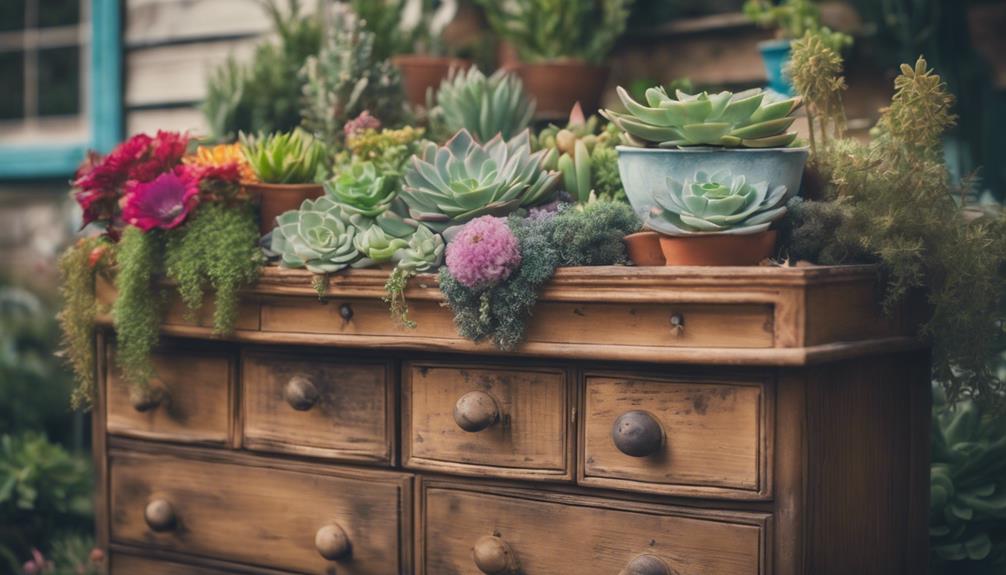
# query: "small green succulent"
[[745, 119], [424, 252], [293, 157], [319, 236], [718, 203], [485, 107], [360, 189], [378, 245], [578, 144], [463, 180]]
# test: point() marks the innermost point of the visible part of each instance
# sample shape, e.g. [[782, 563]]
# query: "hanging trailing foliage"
[[137, 308]]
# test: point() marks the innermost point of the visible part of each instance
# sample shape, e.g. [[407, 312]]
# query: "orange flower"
[[221, 155]]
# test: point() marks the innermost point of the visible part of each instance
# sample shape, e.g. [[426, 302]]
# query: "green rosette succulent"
[[720, 203], [484, 106], [449, 185], [319, 236], [361, 190], [378, 245], [746, 119], [424, 252], [293, 157]]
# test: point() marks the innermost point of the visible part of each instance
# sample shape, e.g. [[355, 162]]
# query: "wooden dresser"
[[686, 421]]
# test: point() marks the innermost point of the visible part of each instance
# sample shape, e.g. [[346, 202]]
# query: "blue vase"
[[775, 54]]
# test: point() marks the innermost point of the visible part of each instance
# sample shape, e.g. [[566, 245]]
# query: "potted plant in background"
[[562, 46]]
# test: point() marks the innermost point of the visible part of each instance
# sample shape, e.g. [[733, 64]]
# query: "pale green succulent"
[[745, 119], [485, 107], [293, 157], [462, 180], [362, 190], [378, 245], [424, 253], [319, 236], [721, 203]]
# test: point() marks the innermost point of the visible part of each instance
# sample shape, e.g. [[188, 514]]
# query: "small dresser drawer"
[[190, 400], [135, 565], [318, 405], [479, 528], [484, 420], [688, 436], [301, 518]]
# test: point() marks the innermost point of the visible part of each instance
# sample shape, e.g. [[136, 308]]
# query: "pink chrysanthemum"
[[162, 203], [361, 124], [483, 253]]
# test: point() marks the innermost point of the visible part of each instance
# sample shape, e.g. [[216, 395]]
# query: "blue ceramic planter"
[[646, 170], [775, 54]]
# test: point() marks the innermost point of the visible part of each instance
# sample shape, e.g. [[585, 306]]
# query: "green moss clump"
[[137, 308], [77, 275]]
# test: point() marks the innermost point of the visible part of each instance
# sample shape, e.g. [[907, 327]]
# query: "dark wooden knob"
[[160, 515], [647, 565], [300, 393], [475, 411], [637, 433], [147, 399], [493, 556], [332, 542], [346, 312]]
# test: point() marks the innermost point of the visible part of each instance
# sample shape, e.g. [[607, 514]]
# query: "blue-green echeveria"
[[720, 203], [362, 190], [423, 254], [319, 236]]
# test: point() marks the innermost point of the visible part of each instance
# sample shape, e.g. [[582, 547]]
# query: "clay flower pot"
[[644, 248], [421, 72], [718, 249], [558, 85], [274, 199]]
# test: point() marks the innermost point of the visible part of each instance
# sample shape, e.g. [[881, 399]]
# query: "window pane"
[[11, 15], [12, 80], [59, 81], [57, 12]]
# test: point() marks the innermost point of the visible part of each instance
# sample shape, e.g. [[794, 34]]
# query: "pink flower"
[[162, 203], [361, 124], [483, 253]]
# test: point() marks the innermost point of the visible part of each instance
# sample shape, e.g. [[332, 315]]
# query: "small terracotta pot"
[[718, 250], [558, 85], [644, 248], [421, 72], [274, 199]]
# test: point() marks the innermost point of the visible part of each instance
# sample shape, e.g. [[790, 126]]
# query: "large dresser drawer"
[[318, 405], [190, 399], [469, 528], [691, 436], [307, 519], [477, 420]]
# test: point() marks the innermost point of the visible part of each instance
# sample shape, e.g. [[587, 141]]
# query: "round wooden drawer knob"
[[475, 411], [647, 565], [147, 399], [300, 393], [160, 515], [332, 542], [637, 433], [493, 556]]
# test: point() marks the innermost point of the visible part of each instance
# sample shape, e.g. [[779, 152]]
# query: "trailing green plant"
[[362, 189], [747, 119], [347, 78], [137, 308], [483, 106], [544, 30], [217, 250], [423, 254], [319, 236], [462, 180], [793, 19], [293, 157]]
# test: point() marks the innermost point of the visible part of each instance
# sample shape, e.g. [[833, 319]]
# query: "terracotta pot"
[[718, 250], [421, 72], [644, 248], [558, 85], [274, 199]]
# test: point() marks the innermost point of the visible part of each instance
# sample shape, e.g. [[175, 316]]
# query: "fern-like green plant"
[[137, 308]]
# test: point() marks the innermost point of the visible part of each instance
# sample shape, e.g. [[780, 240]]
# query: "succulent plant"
[[293, 157], [378, 245], [575, 171], [718, 203], [361, 190], [463, 180], [424, 252], [746, 119], [483, 106], [578, 143], [319, 236]]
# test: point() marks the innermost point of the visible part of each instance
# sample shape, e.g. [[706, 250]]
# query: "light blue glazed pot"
[[775, 54], [646, 170]]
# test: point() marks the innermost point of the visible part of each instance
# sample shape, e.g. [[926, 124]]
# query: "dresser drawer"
[[283, 516], [474, 529], [687, 436], [318, 405], [191, 399], [485, 420], [123, 564]]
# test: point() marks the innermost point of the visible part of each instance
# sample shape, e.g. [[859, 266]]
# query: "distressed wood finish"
[[123, 564]]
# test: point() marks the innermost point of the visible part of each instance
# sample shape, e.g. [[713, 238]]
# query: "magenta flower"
[[483, 253], [361, 124], [162, 203]]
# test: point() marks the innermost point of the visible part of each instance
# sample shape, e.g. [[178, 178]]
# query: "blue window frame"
[[104, 113]]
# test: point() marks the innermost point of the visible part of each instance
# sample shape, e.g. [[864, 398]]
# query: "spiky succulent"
[[719, 203], [319, 236], [285, 158], [463, 180], [746, 119], [485, 107], [362, 190], [424, 252]]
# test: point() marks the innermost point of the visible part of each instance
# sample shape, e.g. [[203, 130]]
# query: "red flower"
[[163, 203]]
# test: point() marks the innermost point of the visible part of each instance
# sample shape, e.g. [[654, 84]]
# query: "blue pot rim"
[[710, 150], [774, 45]]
